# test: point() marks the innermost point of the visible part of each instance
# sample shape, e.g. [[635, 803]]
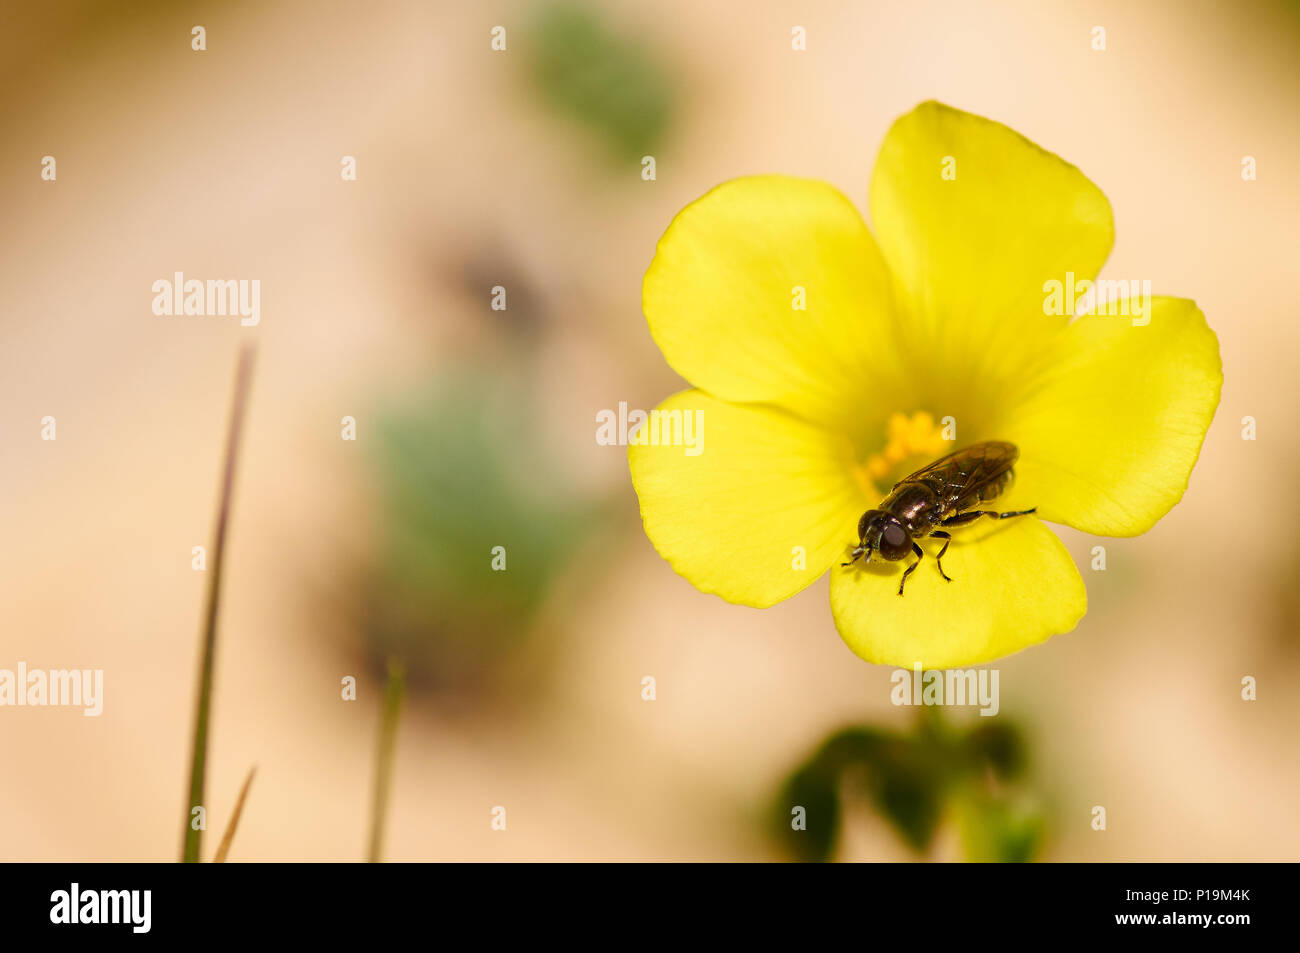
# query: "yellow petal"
[[733, 518], [1014, 585], [1110, 429], [974, 252], [724, 291]]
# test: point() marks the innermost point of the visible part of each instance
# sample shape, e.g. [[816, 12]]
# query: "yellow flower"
[[827, 364]]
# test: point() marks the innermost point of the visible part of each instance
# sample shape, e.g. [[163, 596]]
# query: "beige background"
[[225, 163]]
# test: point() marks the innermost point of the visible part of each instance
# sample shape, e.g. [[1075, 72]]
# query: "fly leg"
[[920, 554], [858, 552], [1002, 516], [961, 519], [947, 538]]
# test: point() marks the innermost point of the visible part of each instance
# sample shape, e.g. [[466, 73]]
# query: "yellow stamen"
[[906, 438]]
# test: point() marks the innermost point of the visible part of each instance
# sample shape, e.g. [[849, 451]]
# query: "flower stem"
[[394, 691], [199, 752]]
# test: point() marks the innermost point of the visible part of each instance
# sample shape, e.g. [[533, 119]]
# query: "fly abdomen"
[[997, 487]]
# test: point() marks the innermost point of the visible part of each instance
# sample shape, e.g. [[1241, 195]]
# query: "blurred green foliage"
[[914, 780], [462, 471], [613, 84], [1003, 830]]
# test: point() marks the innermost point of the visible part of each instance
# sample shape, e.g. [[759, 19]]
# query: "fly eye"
[[894, 536]]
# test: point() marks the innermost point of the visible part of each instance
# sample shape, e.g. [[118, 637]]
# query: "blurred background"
[[521, 168]]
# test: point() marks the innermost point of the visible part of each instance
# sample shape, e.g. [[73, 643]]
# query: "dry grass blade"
[[394, 691], [193, 837], [224, 847]]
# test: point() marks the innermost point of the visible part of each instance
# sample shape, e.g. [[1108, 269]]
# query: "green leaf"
[[611, 83], [812, 791], [907, 783], [999, 747], [461, 470]]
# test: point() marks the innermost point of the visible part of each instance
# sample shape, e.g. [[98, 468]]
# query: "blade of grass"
[[224, 847], [203, 704], [394, 691]]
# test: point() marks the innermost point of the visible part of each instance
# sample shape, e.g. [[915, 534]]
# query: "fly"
[[947, 493]]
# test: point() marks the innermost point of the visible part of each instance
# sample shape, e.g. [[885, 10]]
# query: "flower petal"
[[722, 296], [1111, 428], [730, 518], [1014, 585], [974, 251]]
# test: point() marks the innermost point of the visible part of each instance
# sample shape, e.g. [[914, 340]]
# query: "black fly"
[[946, 493]]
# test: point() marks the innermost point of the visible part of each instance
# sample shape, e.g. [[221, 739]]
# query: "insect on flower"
[[943, 494], [938, 305]]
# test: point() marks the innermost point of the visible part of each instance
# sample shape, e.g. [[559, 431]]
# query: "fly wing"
[[961, 479]]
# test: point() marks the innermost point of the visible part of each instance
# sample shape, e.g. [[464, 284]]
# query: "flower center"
[[911, 441]]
